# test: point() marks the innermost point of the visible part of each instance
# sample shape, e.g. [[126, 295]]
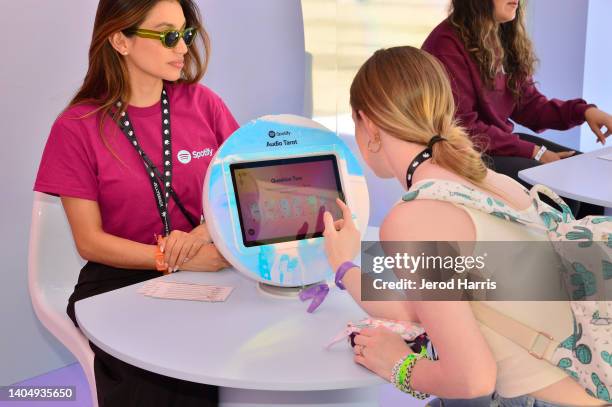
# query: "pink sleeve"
[[67, 167]]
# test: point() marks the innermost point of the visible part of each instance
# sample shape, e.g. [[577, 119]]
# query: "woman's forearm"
[[117, 252], [466, 367], [431, 377], [94, 244]]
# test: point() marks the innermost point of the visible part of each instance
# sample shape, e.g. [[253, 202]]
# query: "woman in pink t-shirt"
[[128, 158]]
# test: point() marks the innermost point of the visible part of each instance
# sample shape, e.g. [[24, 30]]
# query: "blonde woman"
[[402, 103]]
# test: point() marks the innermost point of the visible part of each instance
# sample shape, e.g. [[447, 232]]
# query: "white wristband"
[[540, 153]]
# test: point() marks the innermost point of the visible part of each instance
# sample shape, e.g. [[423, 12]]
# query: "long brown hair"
[[406, 93], [107, 79], [492, 45]]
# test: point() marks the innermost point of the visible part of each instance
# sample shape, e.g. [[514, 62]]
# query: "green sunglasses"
[[169, 38]]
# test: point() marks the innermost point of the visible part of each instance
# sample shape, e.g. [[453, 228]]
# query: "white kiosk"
[[266, 191]]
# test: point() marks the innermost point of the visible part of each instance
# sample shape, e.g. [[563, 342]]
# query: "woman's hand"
[[178, 247], [379, 349], [342, 239], [550, 156], [597, 120], [207, 258], [202, 232]]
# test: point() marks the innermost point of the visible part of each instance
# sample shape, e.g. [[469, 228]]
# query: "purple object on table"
[[317, 293]]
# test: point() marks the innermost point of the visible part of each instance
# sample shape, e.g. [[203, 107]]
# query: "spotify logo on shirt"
[[185, 156]]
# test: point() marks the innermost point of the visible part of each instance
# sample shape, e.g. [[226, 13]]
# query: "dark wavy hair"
[[107, 79], [495, 46]]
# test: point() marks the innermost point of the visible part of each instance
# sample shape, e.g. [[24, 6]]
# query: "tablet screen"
[[284, 200]]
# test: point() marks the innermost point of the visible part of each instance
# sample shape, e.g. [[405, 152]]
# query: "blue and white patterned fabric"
[[586, 355]]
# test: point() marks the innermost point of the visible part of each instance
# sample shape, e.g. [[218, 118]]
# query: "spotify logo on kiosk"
[[265, 193]]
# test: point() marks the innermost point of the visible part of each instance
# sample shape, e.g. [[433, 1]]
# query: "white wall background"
[[38, 74], [257, 66], [258, 56], [573, 43], [597, 79]]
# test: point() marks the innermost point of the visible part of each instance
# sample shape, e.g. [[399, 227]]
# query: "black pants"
[[121, 384], [511, 166]]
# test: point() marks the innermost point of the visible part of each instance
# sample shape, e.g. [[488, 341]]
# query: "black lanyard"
[[161, 183], [418, 160], [421, 158]]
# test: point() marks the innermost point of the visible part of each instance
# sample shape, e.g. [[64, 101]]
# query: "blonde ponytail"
[[406, 93], [457, 154]]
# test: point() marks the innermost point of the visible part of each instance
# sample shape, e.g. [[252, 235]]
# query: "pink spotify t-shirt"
[[77, 163]]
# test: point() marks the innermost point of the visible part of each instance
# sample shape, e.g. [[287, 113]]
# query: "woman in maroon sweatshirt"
[[490, 60]]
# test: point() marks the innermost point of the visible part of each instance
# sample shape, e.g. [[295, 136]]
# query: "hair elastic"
[[435, 139]]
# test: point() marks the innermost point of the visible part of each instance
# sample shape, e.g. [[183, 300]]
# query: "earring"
[[124, 52], [377, 145]]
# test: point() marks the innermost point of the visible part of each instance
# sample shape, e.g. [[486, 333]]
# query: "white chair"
[[53, 269]]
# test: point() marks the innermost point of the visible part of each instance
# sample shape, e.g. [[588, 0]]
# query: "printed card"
[[185, 291]]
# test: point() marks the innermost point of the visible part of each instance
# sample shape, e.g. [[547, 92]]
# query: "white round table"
[[260, 349], [585, 177]]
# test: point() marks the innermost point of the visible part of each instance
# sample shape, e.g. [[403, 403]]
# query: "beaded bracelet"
[[406, 384], [402, 372]]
